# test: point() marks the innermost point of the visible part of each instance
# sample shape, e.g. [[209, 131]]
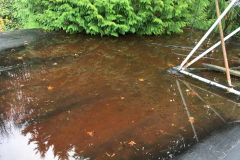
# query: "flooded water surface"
[[82, 97]]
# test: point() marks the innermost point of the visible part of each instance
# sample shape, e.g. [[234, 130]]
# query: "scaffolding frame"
[[184, 64]]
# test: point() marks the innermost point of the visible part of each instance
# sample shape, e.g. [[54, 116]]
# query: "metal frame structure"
[[184, 64], [188, 85]]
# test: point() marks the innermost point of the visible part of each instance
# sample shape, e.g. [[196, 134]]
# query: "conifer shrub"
[[106, 17], [8, 18], [114, 17]]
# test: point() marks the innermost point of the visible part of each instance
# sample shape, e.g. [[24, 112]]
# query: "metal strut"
[[223, 46], [183, 65]]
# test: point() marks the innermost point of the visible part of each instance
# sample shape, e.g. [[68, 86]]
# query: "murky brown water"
[[87, 97]]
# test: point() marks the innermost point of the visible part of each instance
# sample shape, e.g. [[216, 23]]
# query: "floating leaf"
[[191, 120], [90, 133], [170, 65], [50, 88], [108, 154], [131, 143], [193, 93]]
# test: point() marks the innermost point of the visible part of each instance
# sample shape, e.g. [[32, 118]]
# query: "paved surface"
[[16, 39], [220, 145]]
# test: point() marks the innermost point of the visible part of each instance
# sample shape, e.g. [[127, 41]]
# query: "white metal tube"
[[208, 32], [230, 90], [210, 49]]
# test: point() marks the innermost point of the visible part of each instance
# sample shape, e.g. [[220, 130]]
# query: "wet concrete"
[[17, 40], [222, 144], [91, 97]]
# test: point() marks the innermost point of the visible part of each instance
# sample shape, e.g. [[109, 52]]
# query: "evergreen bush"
[[114, 17], [8, 19]]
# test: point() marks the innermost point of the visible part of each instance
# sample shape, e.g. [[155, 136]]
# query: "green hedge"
[[107, 17], [8, 18], [114, 17]]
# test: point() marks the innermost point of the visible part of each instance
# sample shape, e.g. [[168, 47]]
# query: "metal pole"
[[210, 49], [230, 90], [223, 46], [208, 32]]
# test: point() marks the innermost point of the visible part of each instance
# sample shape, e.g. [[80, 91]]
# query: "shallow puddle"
[[88, 97]]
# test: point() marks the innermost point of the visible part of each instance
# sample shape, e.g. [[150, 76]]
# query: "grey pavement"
[[223, 144], [14, 39]]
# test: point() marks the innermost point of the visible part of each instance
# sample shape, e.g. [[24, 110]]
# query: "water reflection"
[[114, 89]]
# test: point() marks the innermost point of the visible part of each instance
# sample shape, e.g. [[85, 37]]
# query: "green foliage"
[[207, 16], [8, 19], [106, 17], [114, 17]]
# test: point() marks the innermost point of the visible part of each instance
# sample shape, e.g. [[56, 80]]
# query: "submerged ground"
[[90, 97]]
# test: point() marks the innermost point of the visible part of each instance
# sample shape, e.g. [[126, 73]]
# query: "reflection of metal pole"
[[205, 102], [236, 104], [223, 45], [185, 105]]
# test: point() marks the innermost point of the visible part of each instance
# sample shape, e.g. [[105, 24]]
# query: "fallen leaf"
[[113, 155], [170, 65], [82, 151], [119, 50], [191, 120], [21, 85], [122, 97], [3, 97], [68, 111], [187, 90], [108, 154], [141, 79], [131, 143], [50, 88], [150, 40], [90, 133], [35, 136], [193, 93], [20, 57]]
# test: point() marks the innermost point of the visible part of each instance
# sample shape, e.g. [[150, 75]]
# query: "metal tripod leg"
[[208, 32], [223, 46]]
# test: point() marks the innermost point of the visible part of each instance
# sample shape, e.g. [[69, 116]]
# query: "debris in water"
[[108, 154], [91, 133], [193, 93], [191, 120], [131, 143], [50, 88]]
